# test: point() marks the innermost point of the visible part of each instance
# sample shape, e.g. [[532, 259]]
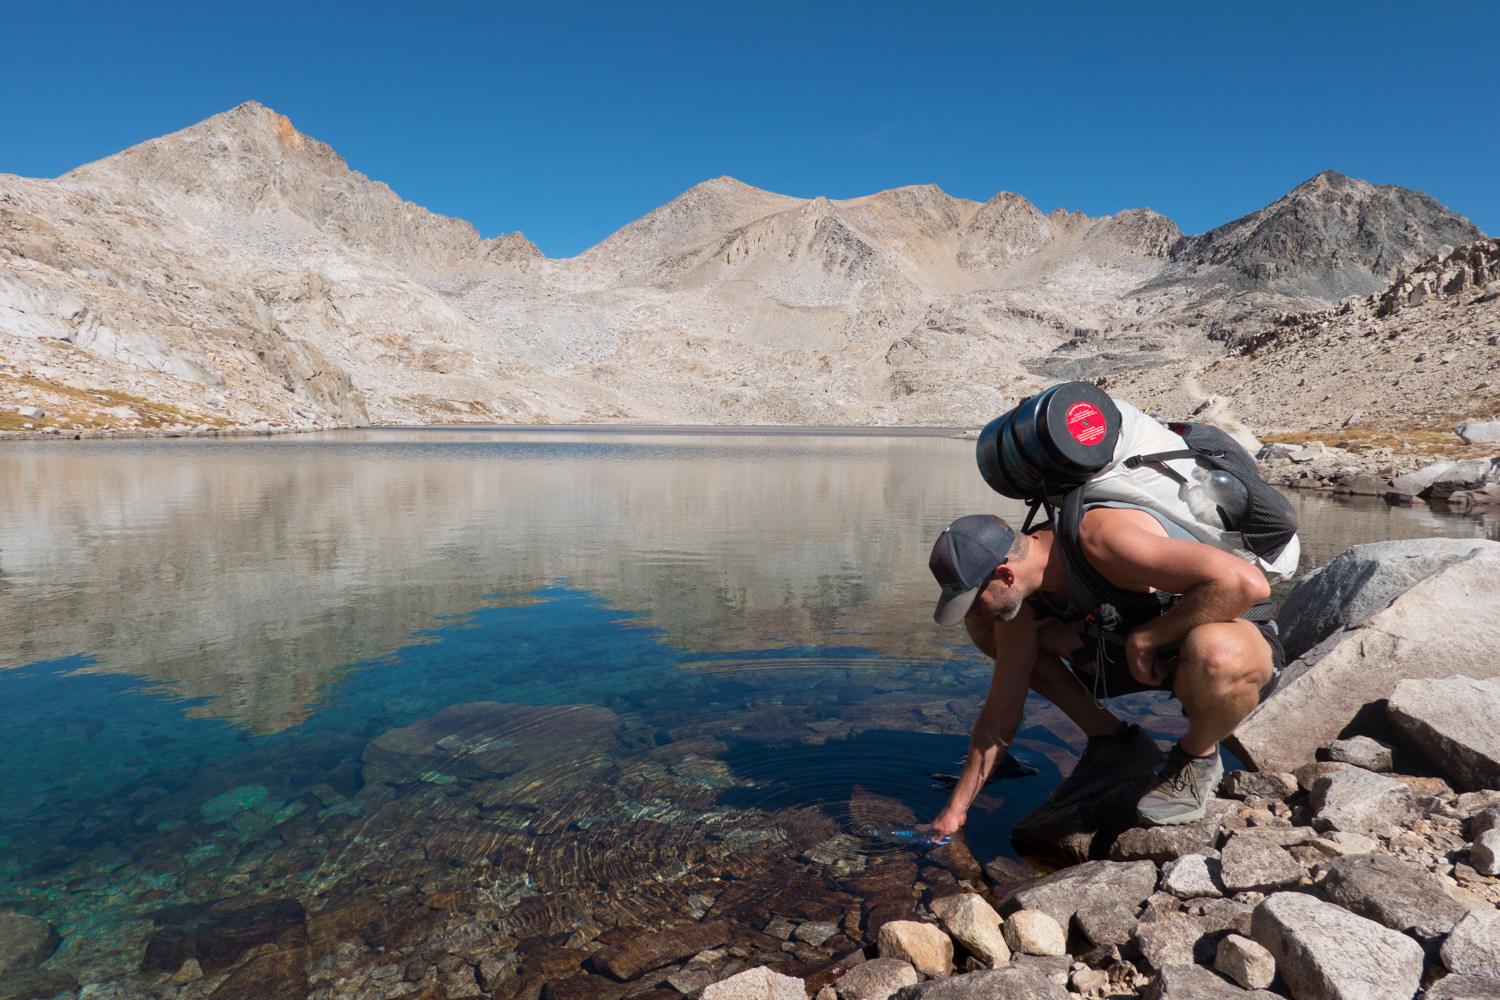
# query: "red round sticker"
[[1086, 423]]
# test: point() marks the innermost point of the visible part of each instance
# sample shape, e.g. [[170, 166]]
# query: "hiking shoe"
[[1182, 789], [1108, 760]]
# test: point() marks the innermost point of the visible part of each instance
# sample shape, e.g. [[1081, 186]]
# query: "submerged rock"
[[490, 739], [639, 955], [25, 942], [217, 936]]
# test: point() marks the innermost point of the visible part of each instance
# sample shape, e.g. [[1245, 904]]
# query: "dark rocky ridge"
[[1330, 237]]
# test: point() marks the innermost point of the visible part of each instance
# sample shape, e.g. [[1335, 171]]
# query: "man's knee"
[[1227, 654]]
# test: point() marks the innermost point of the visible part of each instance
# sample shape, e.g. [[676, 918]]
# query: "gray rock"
[[756, 984], [1309, 773], [1161, 844], [1416, 482], [1393, 893], [1265, 784], [1479, 431], [925, 946], [1246, 962], [1252, 864], [1350, 842], [1193, 876], [1484, 853], [1106, 923], [1457, 987], [1193, 982], [1281, 836], [1482, 808], [1059, 895], [1324, 952], [1220, 915], [1362, 751], [1358, 801], [30, 412], [1012, 983], [1485, 820], [1439, 625], [1176, 940], [25, 942], [1089, 982], [1361, 581], [1032, 932], [1473, 949], [1452, 721], [875, 979], [974, 924], [1466, 475], [1054, 968]]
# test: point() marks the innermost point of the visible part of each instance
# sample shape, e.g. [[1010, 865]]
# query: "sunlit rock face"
[[238, 271]]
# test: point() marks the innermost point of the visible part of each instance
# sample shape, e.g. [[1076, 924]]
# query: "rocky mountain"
[[1399, 368], [239, 271], [1328, 238]]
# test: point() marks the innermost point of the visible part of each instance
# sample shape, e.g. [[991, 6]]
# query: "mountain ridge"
[[243, 270]]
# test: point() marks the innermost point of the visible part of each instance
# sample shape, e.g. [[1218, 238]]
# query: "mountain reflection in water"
[[386, 686]]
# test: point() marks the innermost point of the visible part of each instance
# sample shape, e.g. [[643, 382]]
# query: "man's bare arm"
[[995, 729], [1135, 554]]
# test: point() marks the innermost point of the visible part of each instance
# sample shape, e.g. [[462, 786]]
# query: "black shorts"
[[1116, 678]]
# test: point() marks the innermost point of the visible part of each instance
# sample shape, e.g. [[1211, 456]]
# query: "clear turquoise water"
[[198, 640]]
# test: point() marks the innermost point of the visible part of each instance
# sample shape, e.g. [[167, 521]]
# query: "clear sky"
[[567, 120]]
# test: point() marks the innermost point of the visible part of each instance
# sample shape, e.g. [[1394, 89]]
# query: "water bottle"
[[1217, 497]]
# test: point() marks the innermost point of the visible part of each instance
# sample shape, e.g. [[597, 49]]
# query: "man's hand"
[[1145, 666], [948, 823]]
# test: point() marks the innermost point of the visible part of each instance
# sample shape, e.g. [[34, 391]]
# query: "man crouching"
[[1138, 605]]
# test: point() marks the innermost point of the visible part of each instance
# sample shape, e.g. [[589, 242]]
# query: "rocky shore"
[[1401, 478]]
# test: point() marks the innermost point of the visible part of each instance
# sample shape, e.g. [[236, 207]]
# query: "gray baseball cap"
[[962, 559]]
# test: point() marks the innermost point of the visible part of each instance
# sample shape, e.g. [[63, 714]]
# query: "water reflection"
[[249, 573]]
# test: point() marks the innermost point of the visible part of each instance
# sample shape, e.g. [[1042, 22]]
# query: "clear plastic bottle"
[[1216, 497]]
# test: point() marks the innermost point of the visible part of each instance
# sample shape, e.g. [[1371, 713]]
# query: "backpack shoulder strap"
[[1070, 540]]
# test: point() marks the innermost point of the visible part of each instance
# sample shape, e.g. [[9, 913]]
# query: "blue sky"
[[569, 120]]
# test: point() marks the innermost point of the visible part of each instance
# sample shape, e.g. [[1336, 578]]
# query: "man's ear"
[[1005, 575]]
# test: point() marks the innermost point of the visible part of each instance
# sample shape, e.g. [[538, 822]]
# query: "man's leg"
[[1220, 670], [1054, 681], [1116, 754]]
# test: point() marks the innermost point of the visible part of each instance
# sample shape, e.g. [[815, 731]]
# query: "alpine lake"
[[367, 695]]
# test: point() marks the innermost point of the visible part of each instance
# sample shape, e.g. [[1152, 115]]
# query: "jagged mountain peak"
[[252, 161], [1329, 237]]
